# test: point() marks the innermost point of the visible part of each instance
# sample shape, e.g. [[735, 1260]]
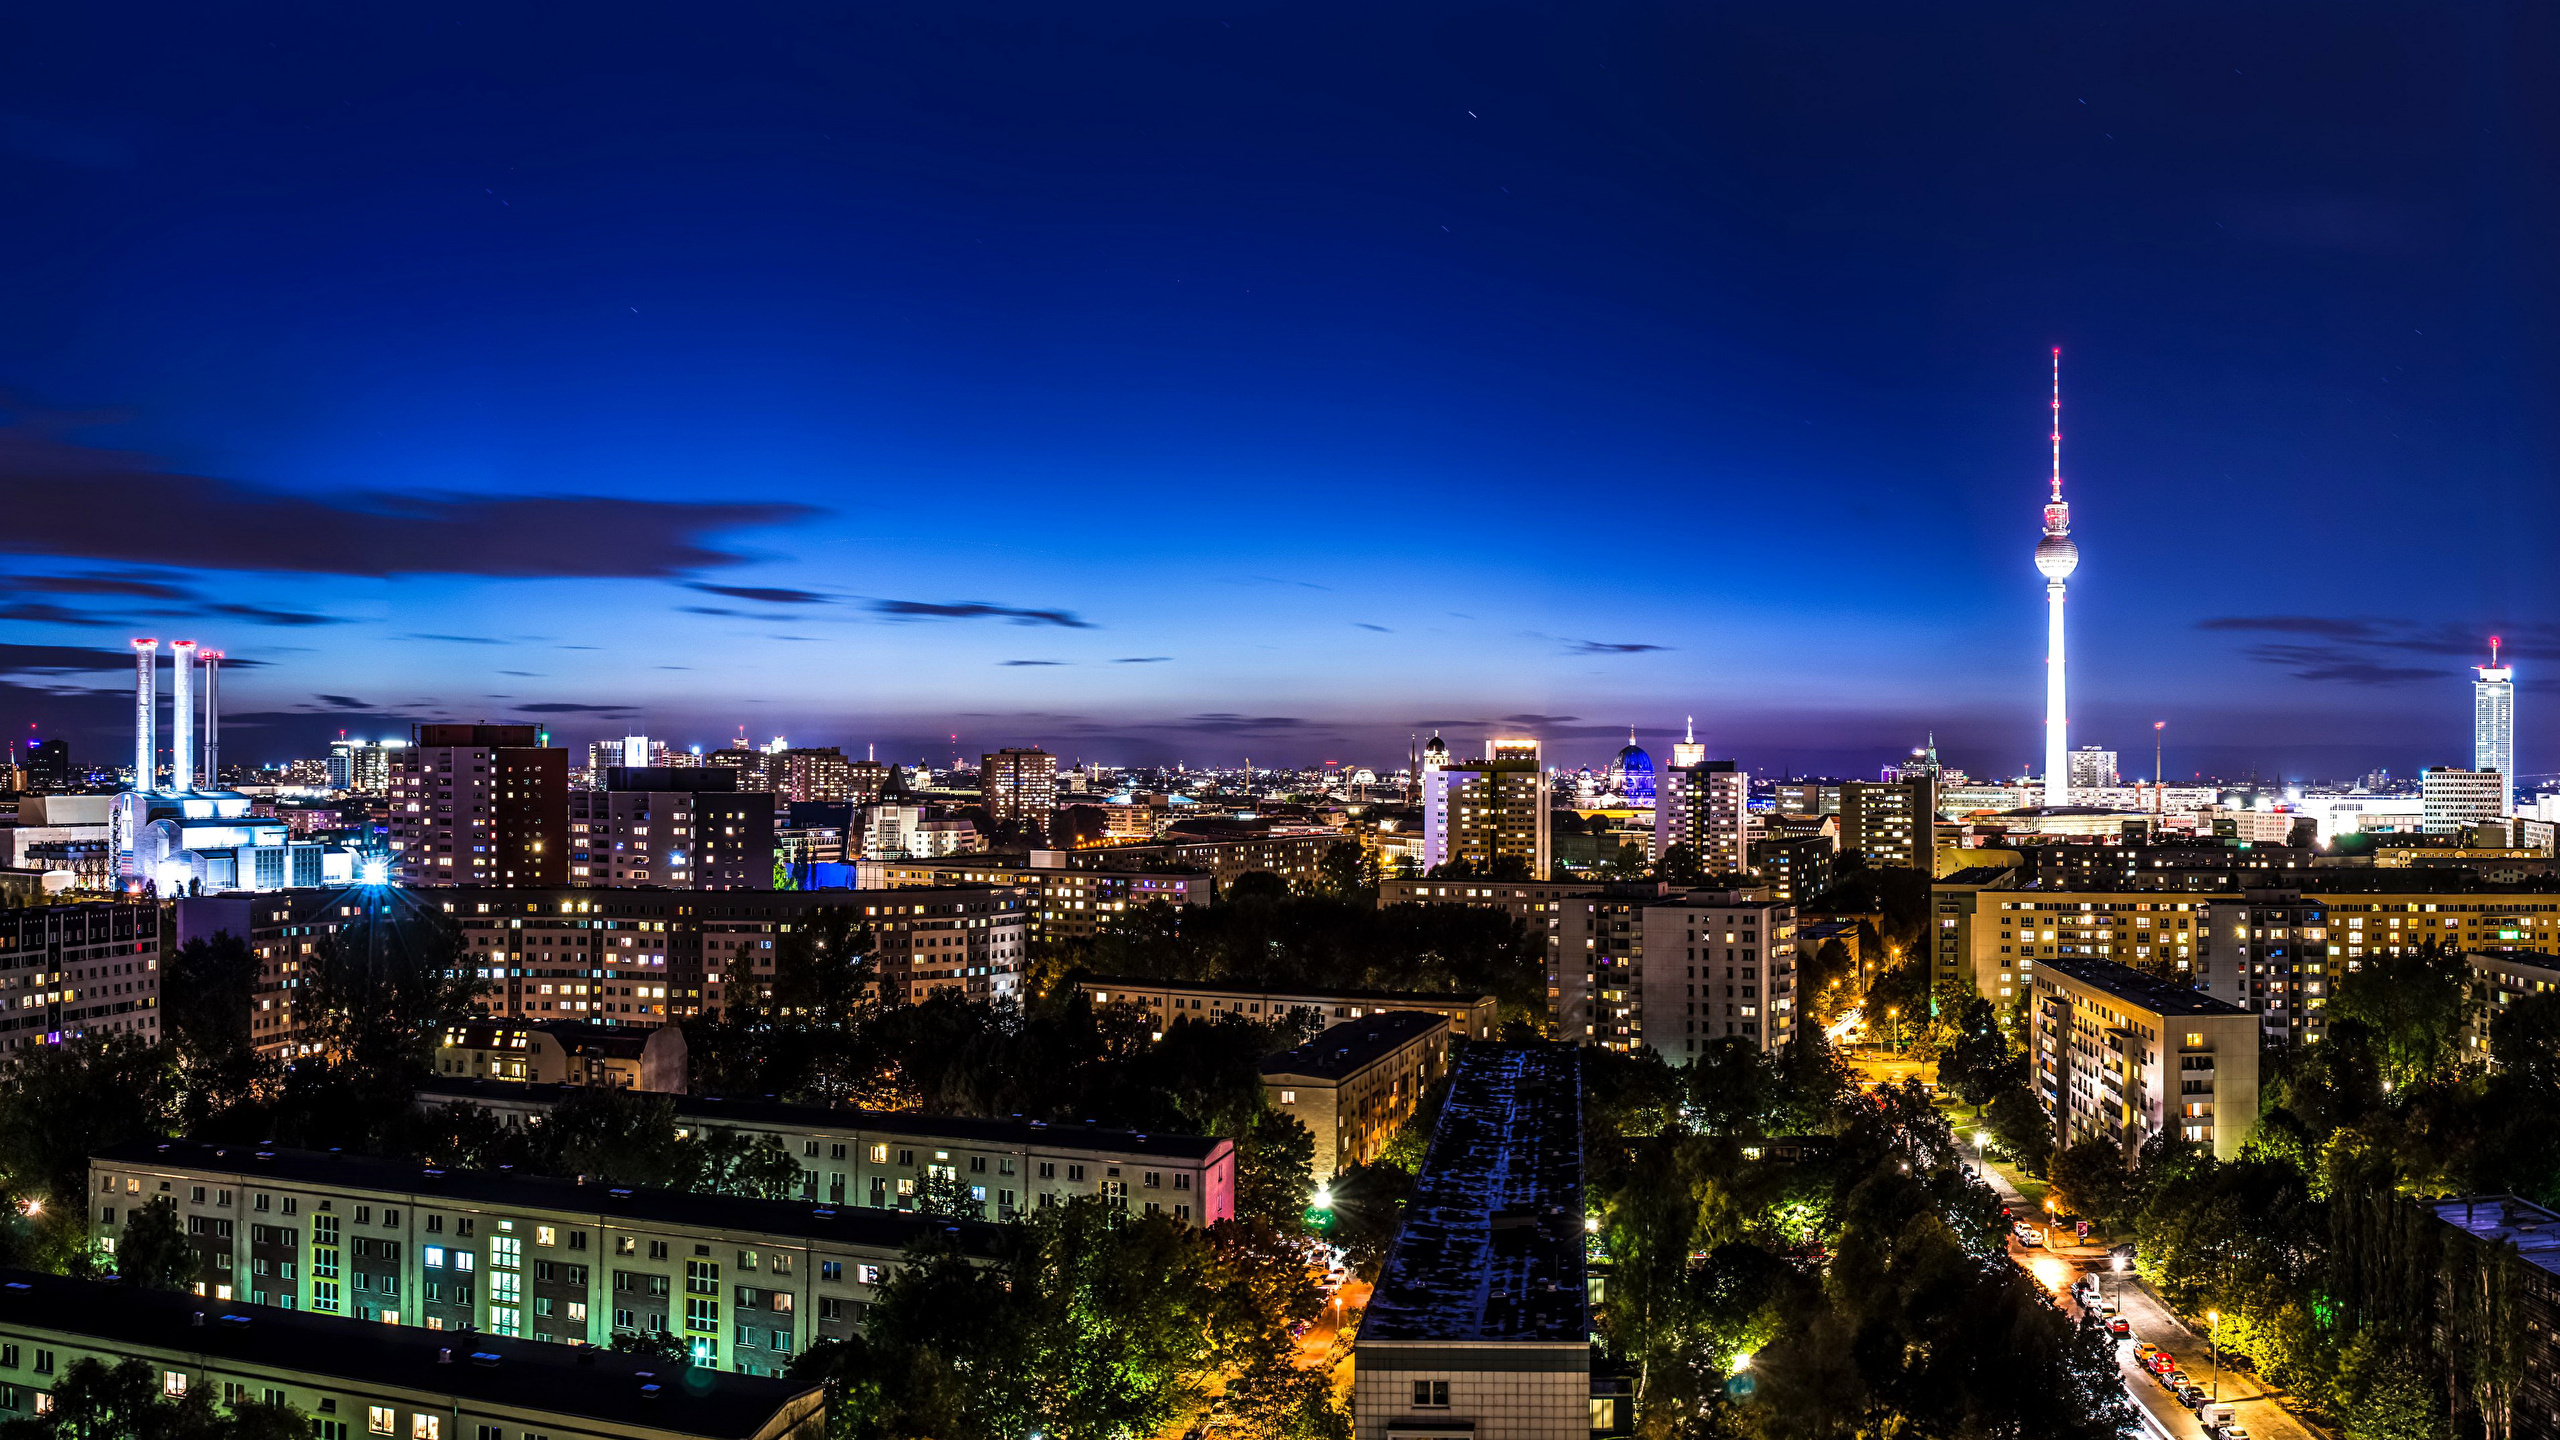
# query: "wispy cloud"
[[978, 610], [1142, 660], [1365, 625], [764, 594], [456, 639], [563, 707], [1013, 663], [1611, 647], [266, 616]]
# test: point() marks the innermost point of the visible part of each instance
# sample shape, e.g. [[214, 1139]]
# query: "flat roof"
[[578, 1380], [1235, 987], [1355, 1045], [713, 1109], [841, 1224], [2135, 988], [1492, 1243], [2506, 1220]]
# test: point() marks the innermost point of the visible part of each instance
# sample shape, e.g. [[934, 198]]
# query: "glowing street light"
[[1324, 1197]]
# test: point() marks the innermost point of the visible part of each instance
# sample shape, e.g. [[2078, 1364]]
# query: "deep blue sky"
[[1213, 382]]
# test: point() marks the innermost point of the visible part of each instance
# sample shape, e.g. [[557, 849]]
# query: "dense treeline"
[[1858, 1288], [1261, 933]]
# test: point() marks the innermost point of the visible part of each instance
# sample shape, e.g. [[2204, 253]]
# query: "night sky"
[[1202, 383]]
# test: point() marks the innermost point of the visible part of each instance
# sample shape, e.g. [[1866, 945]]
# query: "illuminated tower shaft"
[[182, 725], [2056, 557], [146, 713], [212, 718], [2493, 725]]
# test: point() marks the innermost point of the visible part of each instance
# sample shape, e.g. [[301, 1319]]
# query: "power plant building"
[[182, 836]]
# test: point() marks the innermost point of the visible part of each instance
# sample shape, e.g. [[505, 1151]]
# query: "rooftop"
[[1354, 1045], [2506, 1220], [1492, 1244], [2135, 988], [632, 1392], [851, 1225], [995, 1134], [1253, 988]]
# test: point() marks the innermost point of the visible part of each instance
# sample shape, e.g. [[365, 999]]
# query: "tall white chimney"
[[182, 723], [212, 718], [146, 707]]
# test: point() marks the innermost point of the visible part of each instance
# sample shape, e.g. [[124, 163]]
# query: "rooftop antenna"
[[2493, 652], [2057, 424]]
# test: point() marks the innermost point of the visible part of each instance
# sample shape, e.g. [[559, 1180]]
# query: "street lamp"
[[2216, 1317], [1894, 1014], [2115, 1264]]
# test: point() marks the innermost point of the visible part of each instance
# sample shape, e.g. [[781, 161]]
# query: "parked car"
[[2233, 1431], [2118, 1328], [2176, 1379], [2159, 1361], [2143, 1352], [2028, 1235], [2193, 1396], [2214, 1416]]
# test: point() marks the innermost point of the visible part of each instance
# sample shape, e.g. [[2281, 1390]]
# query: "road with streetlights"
[[2252, 1402]]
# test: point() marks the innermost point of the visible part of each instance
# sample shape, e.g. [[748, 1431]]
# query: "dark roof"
[[1355, 1044], [1256, 988], [2134, 987], [857, 1225], [712, 1109], [2505, 1220], [574, 1380], [573, 1036], [1976, 875], [1492, 1244]]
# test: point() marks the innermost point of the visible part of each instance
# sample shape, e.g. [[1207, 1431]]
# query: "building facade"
[[69, 972], [1355, 1084], [1490, 814], [1020, 787], [2121, 1056], [1706, 807], [688, 829], [479, 805], [2493, 726], [2456, 799], [1469, 1017], [882, 1159], [350, 1378], [1890, 823]]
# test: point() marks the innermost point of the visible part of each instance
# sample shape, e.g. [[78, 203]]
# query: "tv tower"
[[2056, 557]]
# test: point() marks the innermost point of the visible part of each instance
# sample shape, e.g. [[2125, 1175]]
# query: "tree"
[[1346, 872], [1275, 1169], [2524, 1038], [154, 1253], [948, 1197], [2414, 1006], [2092, 1181], [733, 1162], [1681, 866], [64, 1103], [664, 1345], [206, 1004], [95, 1401], [2020, 1130], [1978, 1062]]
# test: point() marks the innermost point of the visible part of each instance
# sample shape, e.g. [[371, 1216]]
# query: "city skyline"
[[927, 389]]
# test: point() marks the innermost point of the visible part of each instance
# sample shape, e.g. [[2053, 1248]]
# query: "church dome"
[[1633, 770]]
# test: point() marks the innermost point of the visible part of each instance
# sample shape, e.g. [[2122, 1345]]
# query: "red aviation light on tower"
[[2493, 652]]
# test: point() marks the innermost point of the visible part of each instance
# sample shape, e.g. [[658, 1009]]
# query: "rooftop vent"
[[484, 1358]]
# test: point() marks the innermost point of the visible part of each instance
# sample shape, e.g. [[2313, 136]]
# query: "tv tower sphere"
[[2057, 556]]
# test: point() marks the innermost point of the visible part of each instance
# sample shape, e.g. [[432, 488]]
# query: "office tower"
[[683, 829], [479, 805], [49, 765], [2056, 557], [2493, 725], [1019, 786], [1890, 823], [2093, 768], [2452, 798], [808, 774], [1707, 808], [1490, 813], [361, 767]]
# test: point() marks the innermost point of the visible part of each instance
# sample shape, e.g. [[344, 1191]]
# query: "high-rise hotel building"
[[2493, 726]]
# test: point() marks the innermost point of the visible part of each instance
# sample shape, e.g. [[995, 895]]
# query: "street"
[[2250, 1400]]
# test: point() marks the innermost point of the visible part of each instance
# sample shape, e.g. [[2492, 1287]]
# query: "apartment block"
[[1714, 965], [1891, 823], [1019, 787], [1292, 853], [69, 972], [1488, 813], [684, 829], [1706, 807], [1794, 867], [880, 1159], [1354, 1085], [1470, 1017], [350, 1378], [2122, 1056], [748, 1284], [1480, 1324], [479, 805]]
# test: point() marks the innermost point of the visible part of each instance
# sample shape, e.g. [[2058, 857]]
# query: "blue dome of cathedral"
[[1633, 770]]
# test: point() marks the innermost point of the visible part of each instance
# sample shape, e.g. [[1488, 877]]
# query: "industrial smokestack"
[[182, 725], [146, 712], [212, 718]]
